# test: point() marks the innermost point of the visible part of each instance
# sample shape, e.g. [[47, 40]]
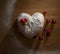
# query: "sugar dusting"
[[34, 25]]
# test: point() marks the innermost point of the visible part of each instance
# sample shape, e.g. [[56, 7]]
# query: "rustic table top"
[[10, 37]]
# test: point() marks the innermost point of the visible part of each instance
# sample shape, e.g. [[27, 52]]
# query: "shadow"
[[26, 41], [15, 42], [15, 33]]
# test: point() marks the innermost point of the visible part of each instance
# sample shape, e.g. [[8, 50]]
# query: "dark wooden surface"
[[11, 39]]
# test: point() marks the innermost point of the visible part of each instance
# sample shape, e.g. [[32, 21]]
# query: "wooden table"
[[10, 38]]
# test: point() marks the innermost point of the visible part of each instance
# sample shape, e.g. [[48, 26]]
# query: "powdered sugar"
[[34, 25]]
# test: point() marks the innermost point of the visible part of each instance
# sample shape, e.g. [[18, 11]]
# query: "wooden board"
[[9, 34]]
